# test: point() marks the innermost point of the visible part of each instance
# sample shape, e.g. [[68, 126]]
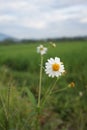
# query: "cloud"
[[43, 18], [7, 19], [37, 24], [65, 3], [83, 20]]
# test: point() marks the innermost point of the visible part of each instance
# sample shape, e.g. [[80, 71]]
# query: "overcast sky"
[[43, 18]]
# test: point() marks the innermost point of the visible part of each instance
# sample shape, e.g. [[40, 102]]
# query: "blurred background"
[[24, 25]]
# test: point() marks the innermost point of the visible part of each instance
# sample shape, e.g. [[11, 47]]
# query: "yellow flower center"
[[55, 67], [41, 48], [72, 85]]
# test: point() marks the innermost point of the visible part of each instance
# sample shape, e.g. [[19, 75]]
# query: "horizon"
[[4, 37], [37, 19]]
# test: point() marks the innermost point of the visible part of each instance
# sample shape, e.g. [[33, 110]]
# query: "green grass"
[[24, 62], [20, 64]]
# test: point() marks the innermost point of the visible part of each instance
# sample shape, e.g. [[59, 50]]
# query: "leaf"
[[31, 96]]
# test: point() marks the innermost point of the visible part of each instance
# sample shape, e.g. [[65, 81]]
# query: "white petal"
[[57, 59], [50, 71]]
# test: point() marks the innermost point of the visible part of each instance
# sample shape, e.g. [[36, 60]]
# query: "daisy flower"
[[80, 94], [54, 67], [53, 44], [72, 85], [41, 49]]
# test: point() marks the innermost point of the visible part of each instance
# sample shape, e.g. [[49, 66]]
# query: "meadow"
[[19, 70]]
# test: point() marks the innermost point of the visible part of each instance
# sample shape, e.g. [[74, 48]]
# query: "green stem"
[[5, 112], [4, 107], [8, 106], [49, 91], [2, 126], [39, 96], [40, 81], [37, 119], [60, 90], [8, 101]]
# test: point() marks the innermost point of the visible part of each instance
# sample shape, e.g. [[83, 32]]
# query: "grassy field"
[[19, 67]]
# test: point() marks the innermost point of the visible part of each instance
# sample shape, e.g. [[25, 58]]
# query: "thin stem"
[[8, 101], [39, 96], [60, 90], [5, 112], [2, 126], [49, 91], [37, 121], [4, 107], [40, 81]]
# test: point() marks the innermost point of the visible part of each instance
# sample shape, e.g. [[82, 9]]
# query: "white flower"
[[54, 68], [41, 49], [53, 44], [80, 94]]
